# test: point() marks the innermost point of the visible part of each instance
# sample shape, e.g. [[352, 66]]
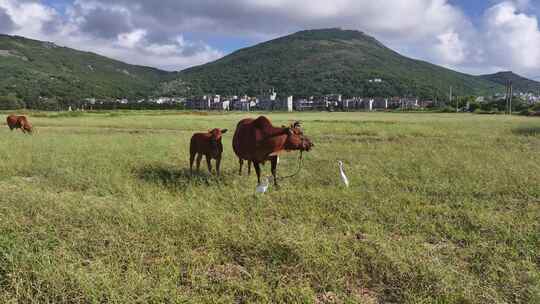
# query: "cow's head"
[[296, 139], [215, 137]]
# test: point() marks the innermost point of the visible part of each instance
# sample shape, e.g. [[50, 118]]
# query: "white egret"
[[263, 186], [342, 173]]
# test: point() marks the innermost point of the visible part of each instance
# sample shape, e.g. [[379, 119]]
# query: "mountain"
[[519, 83], [312, 62], [31, 68], [327, 61]]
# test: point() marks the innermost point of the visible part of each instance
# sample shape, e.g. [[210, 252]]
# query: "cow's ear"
[[223, 131], [290, 131]]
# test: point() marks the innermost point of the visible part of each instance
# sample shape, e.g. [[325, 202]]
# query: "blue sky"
[[473, 8], [472, 36]]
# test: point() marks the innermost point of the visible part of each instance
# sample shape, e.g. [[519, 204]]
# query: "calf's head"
[[296, 140], [215, 138]]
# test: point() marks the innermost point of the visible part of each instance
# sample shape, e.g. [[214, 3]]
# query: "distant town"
[[271, 102]]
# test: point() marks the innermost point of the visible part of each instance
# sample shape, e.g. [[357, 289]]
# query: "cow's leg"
[[218, 164], [241, 163], [199, 158], [273, 162], [191, 160], [257, 167], [209, 163]]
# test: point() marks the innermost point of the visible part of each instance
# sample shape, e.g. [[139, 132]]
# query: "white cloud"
[[152, 32], [451, 48], [522, 4], [131, 39], [512, 38], [395, 22], [38, 21], [29, 17]]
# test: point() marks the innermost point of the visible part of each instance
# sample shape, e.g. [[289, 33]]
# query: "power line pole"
[[506, 98], [450, 96], [511, 96]]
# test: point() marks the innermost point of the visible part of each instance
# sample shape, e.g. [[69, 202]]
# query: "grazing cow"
[[19, 122], [256, 140], [209, 145]]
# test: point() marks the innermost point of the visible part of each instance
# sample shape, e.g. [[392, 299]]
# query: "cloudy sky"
[[474, 36]]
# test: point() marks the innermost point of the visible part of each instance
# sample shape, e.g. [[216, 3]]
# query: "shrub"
[[447, 109], [11, 102], [491, 111]]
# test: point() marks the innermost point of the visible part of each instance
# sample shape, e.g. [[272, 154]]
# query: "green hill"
[[327, 61], [30, 68], [519, 83], [313, 62]]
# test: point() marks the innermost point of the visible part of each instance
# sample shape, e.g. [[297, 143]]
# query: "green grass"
[[442, 208]]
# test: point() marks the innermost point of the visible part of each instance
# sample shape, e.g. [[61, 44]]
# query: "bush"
[[70, 114], [524, 112], [473, 106], [11, 102], [491, 111], [447, 109], [50, 104]]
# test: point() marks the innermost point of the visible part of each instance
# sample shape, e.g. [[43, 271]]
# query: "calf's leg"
[[218, 164], [199, 158], [191, 160], [209, 163]]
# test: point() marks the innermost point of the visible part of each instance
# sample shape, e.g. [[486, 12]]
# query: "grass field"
[[442, 208]]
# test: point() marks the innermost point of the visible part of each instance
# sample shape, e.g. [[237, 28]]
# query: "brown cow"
[[209, 145], [256, 140], [19, 122]]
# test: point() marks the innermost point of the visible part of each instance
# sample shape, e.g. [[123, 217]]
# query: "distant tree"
[[519, 104], [49, 104], [11, 102], [462, 102]]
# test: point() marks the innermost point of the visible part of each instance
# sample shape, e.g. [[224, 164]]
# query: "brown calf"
[[19, 122], [209, 145]]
